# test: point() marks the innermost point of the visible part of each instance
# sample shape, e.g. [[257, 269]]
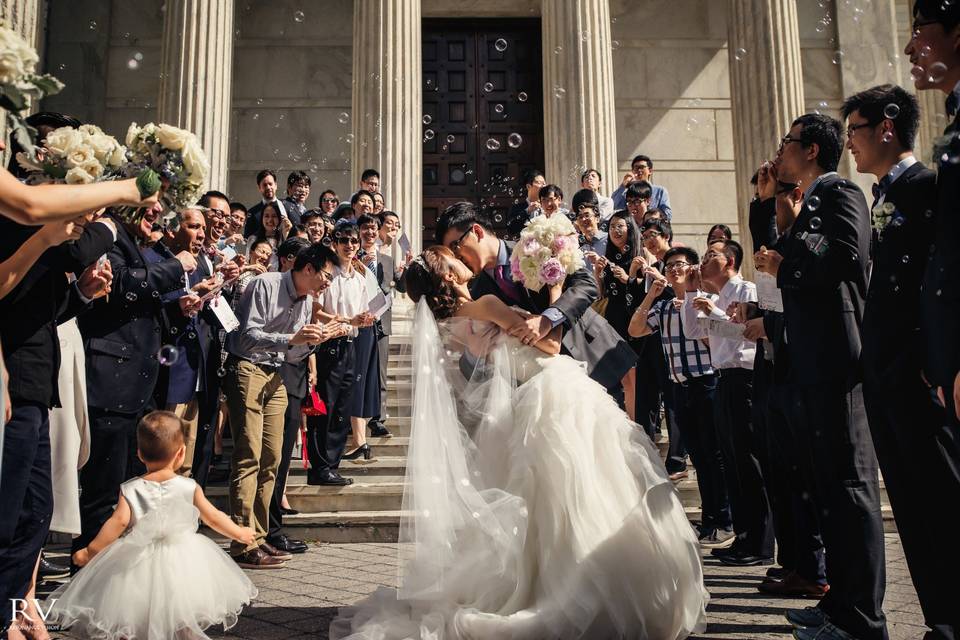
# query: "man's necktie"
[[501, 275]]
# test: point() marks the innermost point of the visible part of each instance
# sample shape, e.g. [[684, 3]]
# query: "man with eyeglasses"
[[275, 327], [298, 190], [638, 197], [821, 267], [934, 52], [593, 242], [691, 370], [641, 169]]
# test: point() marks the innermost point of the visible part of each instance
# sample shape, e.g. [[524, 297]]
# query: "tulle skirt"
[[593, 541], [154, 585]]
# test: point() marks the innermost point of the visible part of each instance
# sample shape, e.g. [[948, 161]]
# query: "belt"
[[734, 372], [268, 368]]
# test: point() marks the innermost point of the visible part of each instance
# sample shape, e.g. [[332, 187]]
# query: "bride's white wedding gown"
[[534, 508]]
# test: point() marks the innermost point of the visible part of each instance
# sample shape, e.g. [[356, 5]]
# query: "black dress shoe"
[[289, 545], [288, 512], [722, 553], [328, 478], [50, 571], [745, 560], [377, 430], [778, 573]]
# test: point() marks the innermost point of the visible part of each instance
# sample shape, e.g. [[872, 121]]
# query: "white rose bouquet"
[[175, 155], [75, 156], [546, 253], [19, 84]]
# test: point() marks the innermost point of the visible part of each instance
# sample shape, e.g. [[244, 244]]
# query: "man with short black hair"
[[298, 190], [312, 220], [821, 268], [370, 181], [638, 196], [585, 206], [267, 185], [641, 168], [591, 179], [528, 207]]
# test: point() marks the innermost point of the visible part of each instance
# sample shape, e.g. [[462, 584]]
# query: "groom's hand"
[[531, 330]]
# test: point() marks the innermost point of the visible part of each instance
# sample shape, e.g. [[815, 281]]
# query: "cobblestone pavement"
[[298, 602]]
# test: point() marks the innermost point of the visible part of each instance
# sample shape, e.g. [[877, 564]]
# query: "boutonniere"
[[882, 215]]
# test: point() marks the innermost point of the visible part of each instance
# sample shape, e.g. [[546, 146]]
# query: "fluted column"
[[22, 16], [578, 107], [766, 88], [386, 104], [196, 75]]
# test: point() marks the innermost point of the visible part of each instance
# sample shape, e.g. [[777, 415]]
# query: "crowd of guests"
[[790, 395]]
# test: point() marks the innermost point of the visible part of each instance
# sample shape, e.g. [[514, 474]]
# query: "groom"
[[586, 335]]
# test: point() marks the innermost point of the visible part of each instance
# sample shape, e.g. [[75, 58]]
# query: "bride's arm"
[[492, 309]]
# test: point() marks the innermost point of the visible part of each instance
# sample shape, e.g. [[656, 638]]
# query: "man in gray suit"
[[586, 335]]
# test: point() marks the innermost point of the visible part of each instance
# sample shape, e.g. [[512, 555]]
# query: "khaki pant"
[[257, 401], [189, 413]]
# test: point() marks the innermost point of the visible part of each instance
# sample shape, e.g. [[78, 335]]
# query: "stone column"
[[387, 104], [766, 89], [933, 120], [580, 129], [196, 73], [22, 16]]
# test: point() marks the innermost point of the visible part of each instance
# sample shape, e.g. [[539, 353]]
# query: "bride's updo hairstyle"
[[426, 278]]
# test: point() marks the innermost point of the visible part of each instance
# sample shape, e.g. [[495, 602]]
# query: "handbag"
[[314, 405]]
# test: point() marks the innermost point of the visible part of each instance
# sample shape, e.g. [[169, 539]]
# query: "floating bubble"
[[887, 137], [168, 355], [499, 108], [557, 50], [259, 100], [451, 139], [514, 140], [343, 118], [614, 44], [427, 118], [522, 96], [349, 138], [493, 144], [837, 57], [428, 134], [815, 223], [131, 296], [488, 87], [891, 111], [740, 54], [813, 203], [905, 259], [93, 25], [498, 218], [936, 72], [298, 16], [133, 64], [559, 92], [500, 45], [925, 51], [584, 35], [822, 104], [692, 123]]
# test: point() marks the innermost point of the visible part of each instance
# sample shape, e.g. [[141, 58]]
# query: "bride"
[[534, 508]]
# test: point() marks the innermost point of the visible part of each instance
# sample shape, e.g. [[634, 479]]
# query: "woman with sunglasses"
[[341, 376], [329, 202]]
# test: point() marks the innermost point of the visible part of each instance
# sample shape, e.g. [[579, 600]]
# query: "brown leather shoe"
[[273, 552], [794, 586], [258, 559]]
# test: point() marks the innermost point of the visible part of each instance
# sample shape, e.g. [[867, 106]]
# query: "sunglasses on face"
[[333, 200], [348, 241]]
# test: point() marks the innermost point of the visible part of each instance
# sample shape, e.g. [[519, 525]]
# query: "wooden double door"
[[482, 114]]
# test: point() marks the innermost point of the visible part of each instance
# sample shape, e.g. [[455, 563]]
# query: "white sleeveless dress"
[[161, 579]]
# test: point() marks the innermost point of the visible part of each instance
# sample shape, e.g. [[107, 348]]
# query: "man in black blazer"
[[821, 266], [935, 31], [528, 207], [29, 316], [586, 335], [121, 336], [267, 185]]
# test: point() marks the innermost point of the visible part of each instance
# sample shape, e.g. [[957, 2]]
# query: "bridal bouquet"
[[75, 156], [19, 84], [546, 253], [173, 154]]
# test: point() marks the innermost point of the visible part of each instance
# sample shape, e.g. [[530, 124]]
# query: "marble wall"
[[293, 81]]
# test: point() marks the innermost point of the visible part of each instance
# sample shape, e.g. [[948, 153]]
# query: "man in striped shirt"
[[689, 366]]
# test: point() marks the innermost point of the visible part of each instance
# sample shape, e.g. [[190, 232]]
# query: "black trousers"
[[651, 380], [327, 435], [113, 460], [291, 430], [695, 399], [918, 447], [207, 414], [794, 512], [26, 500], [383, 350], [839, 468], [739, 446]]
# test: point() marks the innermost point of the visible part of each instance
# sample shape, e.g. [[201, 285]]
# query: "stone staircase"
[[369, 510]]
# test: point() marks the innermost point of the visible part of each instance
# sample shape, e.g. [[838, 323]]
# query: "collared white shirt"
[[346, 296], [896, 172], [813, 185], [725, 353]]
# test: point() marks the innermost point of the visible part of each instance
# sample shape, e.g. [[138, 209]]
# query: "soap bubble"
[[93, 25], [891, 111], [837, 57], [131, 296], [343, 118], [557, 50], [427, 119], [451, 139], [813, 203], [168, 355], [498, 108], [500, 45], [522, 96], [298, 16], [133, 64], [428, 134], [740, 54], [559, 92], [514, 140], [692, 123], [936, 72], [887, 137], [493, 144], [815, 223], [488, 87]]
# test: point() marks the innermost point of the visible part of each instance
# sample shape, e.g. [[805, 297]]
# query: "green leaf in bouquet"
[[148, 182], [47, 84], [54, 171], [12, 98]]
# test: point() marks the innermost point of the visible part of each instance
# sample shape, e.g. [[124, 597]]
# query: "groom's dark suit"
[[586, 335]]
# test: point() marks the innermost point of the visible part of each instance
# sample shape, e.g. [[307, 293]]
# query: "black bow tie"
[[880, 189]]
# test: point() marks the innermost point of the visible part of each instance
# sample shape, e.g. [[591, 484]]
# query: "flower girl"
[[161, 579]]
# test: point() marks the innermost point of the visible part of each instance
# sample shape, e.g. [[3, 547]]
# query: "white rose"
[[93, 168], [77, 175], [117, 157], [195, 162], [62, 141], [172, 137], [79, 157], [132, 132], [17, 58]]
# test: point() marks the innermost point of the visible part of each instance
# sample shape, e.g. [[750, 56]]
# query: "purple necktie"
[[501, 276]]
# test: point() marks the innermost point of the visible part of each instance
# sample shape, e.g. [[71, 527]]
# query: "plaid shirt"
[[686, 357]]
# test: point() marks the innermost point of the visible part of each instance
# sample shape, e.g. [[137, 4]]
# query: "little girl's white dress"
[[161, 579]]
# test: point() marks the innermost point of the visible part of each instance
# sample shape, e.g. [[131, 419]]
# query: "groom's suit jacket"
[[586, 335]]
